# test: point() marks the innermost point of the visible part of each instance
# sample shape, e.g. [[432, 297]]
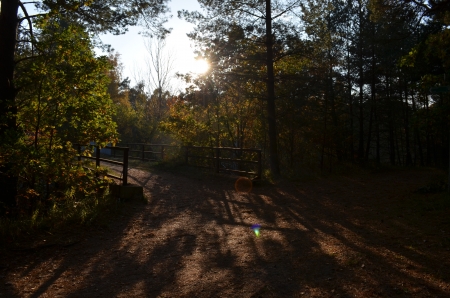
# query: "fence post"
[[143, 152], [125, 166], [97, 156], [162, 152], [259, 165], [79, 152], [113, 151], [217, 159], [186, 155], [240, 157]]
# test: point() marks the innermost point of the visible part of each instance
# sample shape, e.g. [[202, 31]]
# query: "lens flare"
[[256, 228], [243, 184]]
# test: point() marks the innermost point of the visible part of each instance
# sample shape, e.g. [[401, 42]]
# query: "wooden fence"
[[221, 159], [98, 160], [225, 159], [147, 152]]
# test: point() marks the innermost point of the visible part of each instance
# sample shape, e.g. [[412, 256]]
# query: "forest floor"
[[352, 235]]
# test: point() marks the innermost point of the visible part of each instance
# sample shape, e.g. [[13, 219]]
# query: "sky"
[[132, 49]]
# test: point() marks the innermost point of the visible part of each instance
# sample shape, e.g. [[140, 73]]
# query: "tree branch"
[[25, 58], [250, 13], [30, 24], [422, 4], [286, 10], [33, 16]]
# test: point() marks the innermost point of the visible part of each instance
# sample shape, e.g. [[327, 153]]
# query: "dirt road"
[[355, 236]]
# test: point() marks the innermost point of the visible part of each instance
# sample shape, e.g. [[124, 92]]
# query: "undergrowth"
[[59, 216], [81, 200]]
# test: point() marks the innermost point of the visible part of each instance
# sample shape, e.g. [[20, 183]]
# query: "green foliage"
[[186, 122], [58, 215], [137, 113], [63, 91], [353, 87], [63, 101], [109, 15]]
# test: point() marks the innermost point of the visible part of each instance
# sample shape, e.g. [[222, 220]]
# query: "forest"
[[345, 104], [314, 84]]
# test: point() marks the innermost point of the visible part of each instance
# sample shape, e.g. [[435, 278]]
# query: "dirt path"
[[356, 236]]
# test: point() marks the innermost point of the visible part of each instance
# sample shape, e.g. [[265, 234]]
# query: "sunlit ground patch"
[[243, 184]]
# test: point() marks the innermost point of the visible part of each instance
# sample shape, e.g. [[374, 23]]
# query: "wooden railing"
[[231, 162], [98, 160], [147, 152], [240, 161]]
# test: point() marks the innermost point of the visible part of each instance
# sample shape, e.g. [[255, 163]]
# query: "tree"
[[258, 22], [118, 89], [96, 15], [63, 101], [160, 69], [156, 79]]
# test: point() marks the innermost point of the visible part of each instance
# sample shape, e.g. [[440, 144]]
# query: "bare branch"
[[288, 9], [251, 13], [30, 24], [32, 16]]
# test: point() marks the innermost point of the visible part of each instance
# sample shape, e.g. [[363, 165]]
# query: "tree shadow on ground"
[[334, 237]]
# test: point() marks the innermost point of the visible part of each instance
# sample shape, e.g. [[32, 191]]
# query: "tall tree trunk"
[[390, 115], [352, 145], [361, 84], [377, 132], [408, 161], [428, 131], [8, 109], [350, 102], [330, 89], [373, 91], [417, 134], [391, 141], [369, 134], [325, 128], [271, 111], [397, 146]]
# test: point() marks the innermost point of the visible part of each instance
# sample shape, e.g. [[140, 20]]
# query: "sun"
[[200, 66]]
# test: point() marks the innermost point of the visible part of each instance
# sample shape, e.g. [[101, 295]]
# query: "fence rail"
[[242, 161], [148, 152], [216, 159], [98, 160]]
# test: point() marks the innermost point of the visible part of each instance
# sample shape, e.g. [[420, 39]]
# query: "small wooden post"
[[143, 152], [259, 165], [240, 157], [125, 166], [97, 156], [186, 155], [162, 152], [217, 159], [79, 152]]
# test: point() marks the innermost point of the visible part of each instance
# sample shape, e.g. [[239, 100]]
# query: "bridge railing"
[[99, 160], [240, 161], [148, 152]]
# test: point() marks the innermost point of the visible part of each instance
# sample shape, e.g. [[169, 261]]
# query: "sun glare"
[[200, 66]]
